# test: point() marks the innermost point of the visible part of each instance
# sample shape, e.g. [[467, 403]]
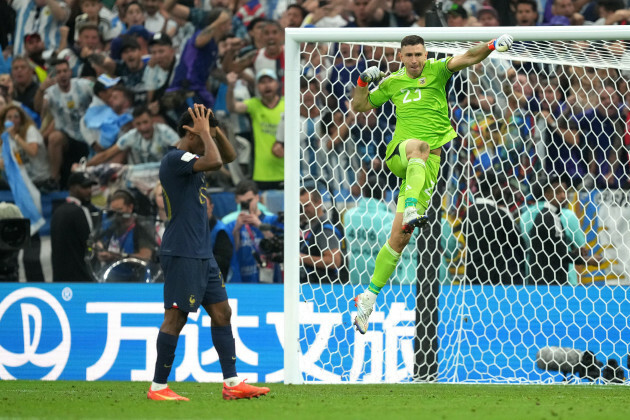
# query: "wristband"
[[361, 83], [491, 46]]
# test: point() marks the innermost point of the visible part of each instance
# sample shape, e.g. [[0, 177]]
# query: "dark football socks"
[[223, 341], [166, 344]]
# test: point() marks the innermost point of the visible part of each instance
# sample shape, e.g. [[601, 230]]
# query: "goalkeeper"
[[422, 128]]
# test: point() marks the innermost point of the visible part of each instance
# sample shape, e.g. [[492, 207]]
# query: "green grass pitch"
[[127, 400]]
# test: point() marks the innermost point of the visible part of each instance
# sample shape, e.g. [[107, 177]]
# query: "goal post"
[[320, 344]]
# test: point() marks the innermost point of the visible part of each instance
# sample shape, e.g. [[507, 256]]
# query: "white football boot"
[[412, 220], [364, 309]]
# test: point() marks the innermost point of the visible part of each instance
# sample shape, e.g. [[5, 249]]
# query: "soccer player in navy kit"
[[191, 274]]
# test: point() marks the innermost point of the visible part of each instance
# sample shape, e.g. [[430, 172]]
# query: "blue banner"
[[108, 332], [485, 333]]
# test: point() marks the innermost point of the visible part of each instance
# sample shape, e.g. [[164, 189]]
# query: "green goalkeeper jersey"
[[421, 106]]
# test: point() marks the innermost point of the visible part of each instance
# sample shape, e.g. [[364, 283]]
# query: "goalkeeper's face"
[[413, 58]]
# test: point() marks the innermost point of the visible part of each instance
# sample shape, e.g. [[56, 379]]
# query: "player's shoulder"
[[397, 75]]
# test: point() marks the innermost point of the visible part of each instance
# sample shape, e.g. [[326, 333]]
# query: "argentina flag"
[[25, 194]]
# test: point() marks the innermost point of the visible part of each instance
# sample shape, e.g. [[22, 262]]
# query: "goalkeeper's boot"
[[412, 220], [165, 395], [364, 309], [243, 390]]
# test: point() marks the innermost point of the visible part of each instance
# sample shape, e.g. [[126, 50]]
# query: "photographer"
[[320, 241], [250, 263]]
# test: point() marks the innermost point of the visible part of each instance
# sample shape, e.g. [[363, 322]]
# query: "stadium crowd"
[[97, 87]]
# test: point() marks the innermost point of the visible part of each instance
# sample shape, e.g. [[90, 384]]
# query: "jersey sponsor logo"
[[35, 308], [187, 157]]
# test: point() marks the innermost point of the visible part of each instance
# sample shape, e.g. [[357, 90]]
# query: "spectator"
[[293, 16], [221, 239], [67, 99], [255, 32], [42, 16], [552, 249], [271, 57], [198, 59], [368, 14], [402, 14], [496, 252], [456, 16], [93, 13], [27, 145], [248, 259], [130, 69], [87, 46], [342, 76], [123, 235], [526, 13], [603, 126], [137, 32], [22, 140], [34, 49], [201, 18], [24, 84], [154, 20], [574, 236], [560, 135], [563, 14], [146, 142], [132, 14], [488, 16], [265, 112], [320, 242], [612, 12], [159, 74], [70, 229], [103, 124]]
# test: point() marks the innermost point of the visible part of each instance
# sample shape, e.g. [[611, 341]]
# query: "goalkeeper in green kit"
[[422, 127]]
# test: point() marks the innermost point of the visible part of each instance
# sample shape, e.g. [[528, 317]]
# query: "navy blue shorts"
[[191, 282]]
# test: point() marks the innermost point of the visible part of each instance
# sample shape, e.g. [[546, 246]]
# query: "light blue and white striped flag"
[[25, 194]]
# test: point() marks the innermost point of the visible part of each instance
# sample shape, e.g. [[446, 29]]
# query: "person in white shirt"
[[42, 16], [146, 142], [67, 99]]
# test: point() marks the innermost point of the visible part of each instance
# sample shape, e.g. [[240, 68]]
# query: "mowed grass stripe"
[[127, 400]]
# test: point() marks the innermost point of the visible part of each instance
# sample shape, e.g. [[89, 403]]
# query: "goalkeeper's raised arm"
[[479, 52], [360, 100]]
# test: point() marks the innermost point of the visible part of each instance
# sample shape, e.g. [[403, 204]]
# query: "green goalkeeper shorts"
[[397, 163]]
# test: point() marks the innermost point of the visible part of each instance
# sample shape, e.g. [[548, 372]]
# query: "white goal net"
[[522, 274]]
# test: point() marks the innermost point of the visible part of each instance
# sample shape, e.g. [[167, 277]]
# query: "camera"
[[245, 205], [272, 246]]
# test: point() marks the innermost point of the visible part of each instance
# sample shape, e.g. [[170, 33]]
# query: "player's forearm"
[[477, 54], [360, 102], [211, 159]]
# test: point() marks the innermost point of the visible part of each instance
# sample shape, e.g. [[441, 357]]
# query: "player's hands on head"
[[200, 116], [372, 74], [503, 43]]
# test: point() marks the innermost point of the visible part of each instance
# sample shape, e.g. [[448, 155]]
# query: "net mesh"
[[529, 225]]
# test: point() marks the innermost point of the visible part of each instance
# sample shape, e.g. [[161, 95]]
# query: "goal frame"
[[293, 38]]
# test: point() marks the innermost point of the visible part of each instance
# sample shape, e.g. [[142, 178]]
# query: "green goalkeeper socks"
[[386, 262], [416, 172]]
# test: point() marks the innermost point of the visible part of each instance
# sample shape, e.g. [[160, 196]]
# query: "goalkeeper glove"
[[372, 74], [501, 44]]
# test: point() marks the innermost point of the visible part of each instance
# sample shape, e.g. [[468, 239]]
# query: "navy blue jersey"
[[187, 232]]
